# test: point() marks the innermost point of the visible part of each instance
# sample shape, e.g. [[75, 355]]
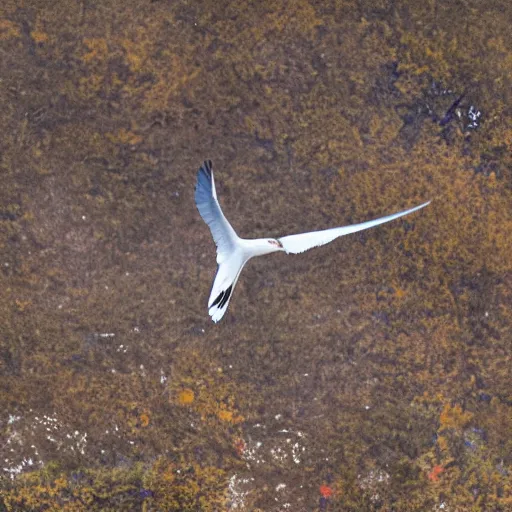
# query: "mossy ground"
[[371, 374]]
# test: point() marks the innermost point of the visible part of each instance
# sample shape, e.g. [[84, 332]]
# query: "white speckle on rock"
[[238, 490], [12, 419]]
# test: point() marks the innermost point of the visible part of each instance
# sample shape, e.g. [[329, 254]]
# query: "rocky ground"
[[370, 374]]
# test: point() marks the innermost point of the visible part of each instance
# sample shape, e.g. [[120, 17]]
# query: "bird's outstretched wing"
[[224, 284], [302, 242], [206, 201]]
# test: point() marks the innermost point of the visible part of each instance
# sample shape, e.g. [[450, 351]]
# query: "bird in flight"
[[234, 252]]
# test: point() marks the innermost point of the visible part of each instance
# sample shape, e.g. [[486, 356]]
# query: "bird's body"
[[234, 252]]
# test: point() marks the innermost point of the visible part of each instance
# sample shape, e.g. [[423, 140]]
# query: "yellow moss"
[[454, 417], [213, 398], [38, 36], [78, 292], [8, 30], [22, 304], [40, 490], [98, 49], [442, 443], [167, 87], [299, 16], [123, 136], [400, 294], [178, 487], [90, 86], [136, 51]]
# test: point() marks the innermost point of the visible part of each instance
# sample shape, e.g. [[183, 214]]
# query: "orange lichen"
[[240, 446], [186, 396], [433, 476], [225, 415], [144, 419], [325, 491], [213, 395]]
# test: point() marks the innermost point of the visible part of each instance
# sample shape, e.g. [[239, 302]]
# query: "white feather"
[[224, 284], [234, 252], [230, 257], [206, 201], [296, 244]]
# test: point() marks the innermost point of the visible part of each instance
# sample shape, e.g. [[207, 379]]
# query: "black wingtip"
[[208, 166], [206, 169], [226, 297], [218, 299]]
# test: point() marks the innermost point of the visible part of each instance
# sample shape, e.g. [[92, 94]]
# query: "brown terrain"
[[372, 374]]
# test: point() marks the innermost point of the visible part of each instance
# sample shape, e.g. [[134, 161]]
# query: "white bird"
[[234, 252]]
